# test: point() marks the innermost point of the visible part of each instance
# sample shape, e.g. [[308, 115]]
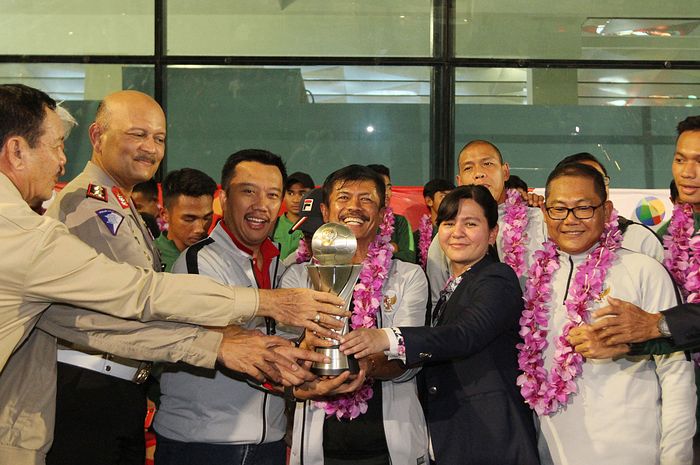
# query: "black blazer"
[[474, 409]]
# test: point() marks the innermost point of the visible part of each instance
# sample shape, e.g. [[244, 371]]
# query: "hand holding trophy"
[[333, 247]]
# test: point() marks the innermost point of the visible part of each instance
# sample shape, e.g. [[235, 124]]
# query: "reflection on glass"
[[588, 30], [317, 119], [76, 27], [300, 28]]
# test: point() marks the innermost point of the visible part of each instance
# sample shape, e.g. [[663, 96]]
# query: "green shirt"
[[288, 242], [168, 251], [403, 238]]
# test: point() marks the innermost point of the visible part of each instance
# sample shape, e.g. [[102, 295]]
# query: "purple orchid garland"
[[425, 236], [547, 392], [515, 237], [680, 257], [367, 298]]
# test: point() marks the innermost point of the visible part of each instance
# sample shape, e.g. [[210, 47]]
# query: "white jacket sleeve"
[[678, 400]]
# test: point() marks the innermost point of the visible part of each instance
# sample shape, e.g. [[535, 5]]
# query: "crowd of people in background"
[[503, 328]]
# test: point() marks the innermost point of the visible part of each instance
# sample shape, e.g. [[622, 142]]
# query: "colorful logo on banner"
[[650, 211]]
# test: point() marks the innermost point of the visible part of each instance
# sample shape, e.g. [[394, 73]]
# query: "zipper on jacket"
[[269, 330], [303, 430], [264, 419], [270, 324], [568, 281]]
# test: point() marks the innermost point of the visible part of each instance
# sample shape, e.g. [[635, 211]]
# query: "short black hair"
[[148, 189], [673, 189], [22, 112], [257, 155], [381, 169], [582, 156], [579, 170], [188, 182], [354, 173], [450, 204], [478, 142], [436, 185], [515, 182], [691, 123]]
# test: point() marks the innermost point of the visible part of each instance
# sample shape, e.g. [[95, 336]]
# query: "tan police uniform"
[[43, 263], [99, 398]]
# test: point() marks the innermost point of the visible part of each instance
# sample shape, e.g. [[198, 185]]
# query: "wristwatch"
[[662, 326]]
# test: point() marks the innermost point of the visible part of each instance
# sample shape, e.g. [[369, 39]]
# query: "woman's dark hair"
[[481, 195]]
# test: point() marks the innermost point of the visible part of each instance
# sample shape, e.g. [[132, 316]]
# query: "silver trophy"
[[333, 246]]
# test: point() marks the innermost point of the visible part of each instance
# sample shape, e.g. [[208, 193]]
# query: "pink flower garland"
[[303, 254], [544, 392], [425, 236], [515, 223], [680, 257], [367, 298]]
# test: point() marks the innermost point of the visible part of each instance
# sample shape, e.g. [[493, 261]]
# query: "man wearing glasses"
[[635, 236], [626, 410]]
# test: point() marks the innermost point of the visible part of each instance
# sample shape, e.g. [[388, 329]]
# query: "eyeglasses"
[[581, 213], [606, 180]]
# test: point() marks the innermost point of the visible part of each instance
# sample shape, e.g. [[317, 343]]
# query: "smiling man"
[[621, 411], [391, 426], [43, 263], [243, 424], [95, 404], [633, 325]]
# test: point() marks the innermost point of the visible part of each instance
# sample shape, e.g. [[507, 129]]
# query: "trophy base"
[[340, 363]]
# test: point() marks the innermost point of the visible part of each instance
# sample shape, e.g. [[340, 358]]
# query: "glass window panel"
[[300, 28], [213, 112], [76, 27], [80, 88], [626, 118], [570, 29]]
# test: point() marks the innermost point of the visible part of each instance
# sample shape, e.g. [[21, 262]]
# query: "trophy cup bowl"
[[334, 246]]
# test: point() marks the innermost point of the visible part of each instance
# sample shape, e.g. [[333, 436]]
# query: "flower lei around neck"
[[425, 237], [680, 257], [547, 392], [514, 236], [303, 253], [367, 297]]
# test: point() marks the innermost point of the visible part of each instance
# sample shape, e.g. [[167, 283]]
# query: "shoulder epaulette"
[[96, 192]]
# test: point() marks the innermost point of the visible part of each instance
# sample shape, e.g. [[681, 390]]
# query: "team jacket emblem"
[[389, 302], [111, 219], [96, 192]]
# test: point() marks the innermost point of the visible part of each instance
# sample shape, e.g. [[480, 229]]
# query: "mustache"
[[357, 214], [149, 159]]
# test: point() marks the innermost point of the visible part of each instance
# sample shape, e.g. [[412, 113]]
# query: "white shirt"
[[629, 410]]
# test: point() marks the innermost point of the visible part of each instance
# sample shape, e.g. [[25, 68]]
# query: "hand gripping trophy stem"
[[333, 247]]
